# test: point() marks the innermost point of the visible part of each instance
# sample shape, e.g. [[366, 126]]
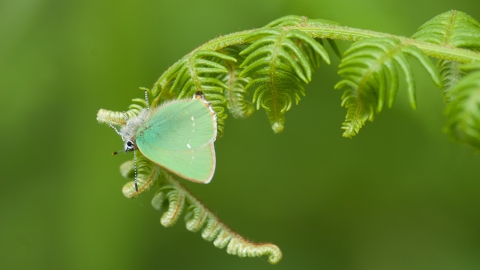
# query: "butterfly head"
[[129, 130]]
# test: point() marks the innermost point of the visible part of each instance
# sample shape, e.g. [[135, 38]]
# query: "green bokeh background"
[[398, 196]]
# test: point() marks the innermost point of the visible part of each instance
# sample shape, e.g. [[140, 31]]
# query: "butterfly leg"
[[116, 130]]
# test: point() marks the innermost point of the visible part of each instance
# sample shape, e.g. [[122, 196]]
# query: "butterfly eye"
[[129, 146]]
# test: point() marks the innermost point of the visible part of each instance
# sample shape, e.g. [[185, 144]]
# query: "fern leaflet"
[[278, 67], [369, 71], [453, 28], [235, 93], [463, 110]]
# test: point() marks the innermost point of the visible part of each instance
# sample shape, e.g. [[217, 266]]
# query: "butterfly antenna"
[[135, 169], [146, 100], [118, 132]]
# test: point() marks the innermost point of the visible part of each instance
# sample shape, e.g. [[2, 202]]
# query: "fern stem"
[[336, 32], [353, 34]]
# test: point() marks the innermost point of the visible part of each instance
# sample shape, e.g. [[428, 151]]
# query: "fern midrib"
[[448, 32], [450, 78], [231, 82], [193, 74], [430, 49], [273, 65]]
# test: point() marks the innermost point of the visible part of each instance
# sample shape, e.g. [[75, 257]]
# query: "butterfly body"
[[178, 136]]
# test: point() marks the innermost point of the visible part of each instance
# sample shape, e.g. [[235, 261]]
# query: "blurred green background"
[[398, 196]]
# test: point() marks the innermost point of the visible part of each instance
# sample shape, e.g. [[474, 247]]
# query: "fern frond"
[[277, 67], [275, 62], [453, 28], [174, 198], [463, 110], [369, 71], [450, 74], [235, 93], [294, 20]]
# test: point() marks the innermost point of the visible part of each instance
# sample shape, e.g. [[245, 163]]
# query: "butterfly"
[[177, 135]]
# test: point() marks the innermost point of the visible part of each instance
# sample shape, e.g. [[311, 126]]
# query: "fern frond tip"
[[277, 127]]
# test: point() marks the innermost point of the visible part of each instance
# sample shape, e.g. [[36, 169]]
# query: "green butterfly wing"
[[179, 137]]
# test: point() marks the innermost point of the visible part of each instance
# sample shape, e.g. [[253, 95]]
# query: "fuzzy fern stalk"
[[267, 69], [174, 199]]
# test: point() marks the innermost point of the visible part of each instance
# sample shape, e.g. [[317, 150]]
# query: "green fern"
[[455, 29], [462, 94], [274, 63], [463, 110], [369, 71], [236, 94], [451, 74], [173, 199], [277, 63]]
